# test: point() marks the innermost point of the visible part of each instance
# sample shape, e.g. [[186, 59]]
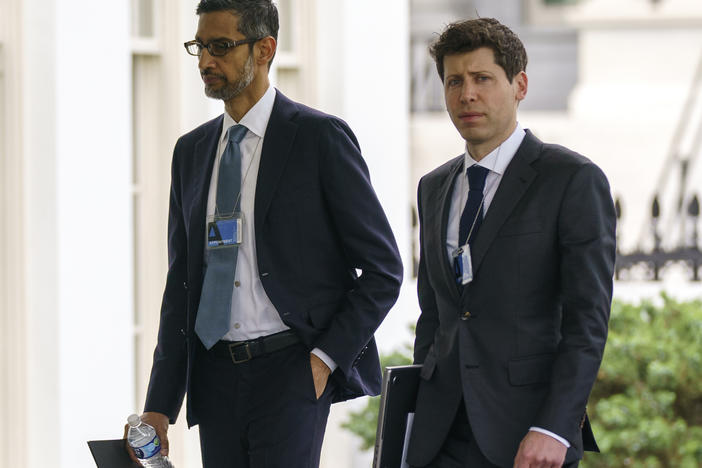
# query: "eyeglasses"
[[215, 48]]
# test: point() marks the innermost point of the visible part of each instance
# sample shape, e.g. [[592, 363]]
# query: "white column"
[[14, 442], [89, 328], [37, 93], [363, 77]]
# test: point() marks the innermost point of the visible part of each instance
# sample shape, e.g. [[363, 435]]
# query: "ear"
[[264, 50], [521, 84]]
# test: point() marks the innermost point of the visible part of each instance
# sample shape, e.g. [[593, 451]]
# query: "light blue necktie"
[[214, 314]]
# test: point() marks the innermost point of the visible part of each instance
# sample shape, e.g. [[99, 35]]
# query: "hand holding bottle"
[[147, 442]]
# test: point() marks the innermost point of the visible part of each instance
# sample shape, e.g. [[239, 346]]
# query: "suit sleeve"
[[429, 317], [168, 373], [367, 242], [586, 232]]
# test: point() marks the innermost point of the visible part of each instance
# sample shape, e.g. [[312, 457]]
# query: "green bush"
[[646, 405]]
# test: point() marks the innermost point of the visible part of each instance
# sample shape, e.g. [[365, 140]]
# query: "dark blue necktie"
[[472, 216], [214, 313]]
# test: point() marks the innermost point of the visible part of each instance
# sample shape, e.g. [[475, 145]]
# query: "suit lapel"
[[444, 204], [276, 150], [516, 180], [204, 153]]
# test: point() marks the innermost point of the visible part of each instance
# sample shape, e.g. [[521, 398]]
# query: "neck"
[[479, 150], [238, 106]]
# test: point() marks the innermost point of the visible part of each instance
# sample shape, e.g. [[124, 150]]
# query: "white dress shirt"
[[496, 162], [253, 313]]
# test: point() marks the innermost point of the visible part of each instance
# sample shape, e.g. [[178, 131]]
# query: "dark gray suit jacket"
[[522, 343]]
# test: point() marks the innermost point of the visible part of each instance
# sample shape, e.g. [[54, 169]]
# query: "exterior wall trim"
[[13, 342]]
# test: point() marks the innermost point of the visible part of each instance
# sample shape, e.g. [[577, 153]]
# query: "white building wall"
[[72, 99], [38, 127], [13, 319], [375, 95], [93, 249], [637, 67], [639, 63], [362, 72]]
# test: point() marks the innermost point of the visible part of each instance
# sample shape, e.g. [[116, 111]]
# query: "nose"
[[205, 60], [467, 92]]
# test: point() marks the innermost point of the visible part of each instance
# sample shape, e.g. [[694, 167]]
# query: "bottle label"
[[148, 450]]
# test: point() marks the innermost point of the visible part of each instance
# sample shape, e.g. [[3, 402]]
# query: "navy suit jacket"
[[317, 221], [522, 343]]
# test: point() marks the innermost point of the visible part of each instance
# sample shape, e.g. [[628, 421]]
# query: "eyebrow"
[[199, 39], [481, 72], [471, 73]]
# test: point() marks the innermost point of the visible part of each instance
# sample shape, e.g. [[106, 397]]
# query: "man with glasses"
[[265, 321]]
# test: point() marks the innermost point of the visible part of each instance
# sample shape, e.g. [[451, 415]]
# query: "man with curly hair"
[[517, 252]]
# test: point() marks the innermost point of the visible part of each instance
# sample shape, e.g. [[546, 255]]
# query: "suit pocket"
[[531, 370], [308, 377]]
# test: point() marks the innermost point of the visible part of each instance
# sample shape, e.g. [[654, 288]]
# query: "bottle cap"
[[134, 420]]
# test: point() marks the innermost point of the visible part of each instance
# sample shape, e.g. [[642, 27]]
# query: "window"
[[145, 30], [292, 71], [427, 92], [286, 37]]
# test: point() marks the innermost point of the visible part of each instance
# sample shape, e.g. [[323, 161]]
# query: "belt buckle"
[[240, 345]]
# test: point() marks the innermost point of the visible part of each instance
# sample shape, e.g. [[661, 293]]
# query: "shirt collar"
[[256, 119], [499, 158]]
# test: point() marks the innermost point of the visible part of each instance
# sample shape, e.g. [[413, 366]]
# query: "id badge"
[[463, 264], [225, 231]]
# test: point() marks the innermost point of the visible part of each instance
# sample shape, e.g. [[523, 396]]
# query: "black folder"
[[110, 454], [397, 401]]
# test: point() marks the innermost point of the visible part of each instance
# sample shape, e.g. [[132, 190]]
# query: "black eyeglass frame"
[[229, 46]]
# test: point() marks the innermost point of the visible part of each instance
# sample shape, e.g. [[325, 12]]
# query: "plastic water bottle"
[[146, 444]]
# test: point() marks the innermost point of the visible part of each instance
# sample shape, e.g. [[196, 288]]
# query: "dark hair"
[[257, 18], [469, 35]]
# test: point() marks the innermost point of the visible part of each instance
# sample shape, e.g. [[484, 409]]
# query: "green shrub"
[[646, 405]]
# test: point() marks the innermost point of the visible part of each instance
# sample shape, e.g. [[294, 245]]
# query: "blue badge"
[[224, 231]]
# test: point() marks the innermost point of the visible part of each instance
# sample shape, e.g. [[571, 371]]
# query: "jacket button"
[[465, 316], [185, 285]]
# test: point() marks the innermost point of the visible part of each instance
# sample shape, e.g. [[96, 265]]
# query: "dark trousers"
[[460, 449], [262, 413]]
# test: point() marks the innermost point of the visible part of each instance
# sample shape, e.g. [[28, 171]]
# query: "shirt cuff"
[[549, 433], [325, 358]]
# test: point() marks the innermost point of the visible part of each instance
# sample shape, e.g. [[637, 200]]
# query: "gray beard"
[[232, 90]]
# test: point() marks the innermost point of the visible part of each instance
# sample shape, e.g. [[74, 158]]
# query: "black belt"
[[242, 351]]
